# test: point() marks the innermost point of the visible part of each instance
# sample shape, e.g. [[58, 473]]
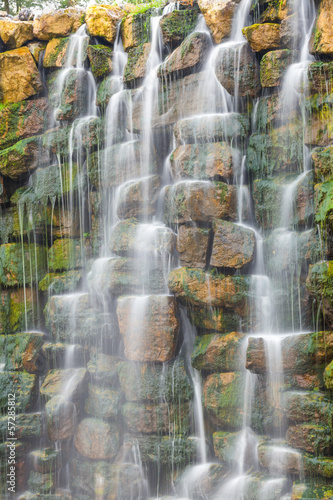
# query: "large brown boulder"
[[19, 76], [233, 245], [102, 21], [61, 418], [273, 67], [322, 40], [55, 53], [138, 198], [59, 23], [15, 33], [263, 37], [149, 327], [192, 246], [97, 439], [218, 353], [218, 15]]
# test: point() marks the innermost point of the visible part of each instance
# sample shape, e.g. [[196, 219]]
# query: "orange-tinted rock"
[[19, 76], [322, 42], [263, 37], [149, 327], [59, 23], [97, 439], [102, 21], [138, 198], [55, 53], [192, 246], [312, 438], [233, 245], [163, 418], [137, 63], [218, 353], [15, 33], [22, 351], [218, 15]]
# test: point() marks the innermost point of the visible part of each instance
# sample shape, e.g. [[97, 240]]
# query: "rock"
[[100, 58], [307, 491], [67, 254], [153, 335], [14, 33], [61, 418], [273, 67], [147, 381], [135, 68], [269, 112], [22, 158], [18, 310], [214, 318], [19, 76], [223, 399], [106, 89], [206, 479], [312, 438], [286, 460], [115, 481], [97, 439], [319, 284], [59, 283], [280, 151], [102, 21], [56, 53], [27, 425], [319, 73], [199, 201], [263, 37], [22, 120], [59, 23], [328, 376], [318, 131], [177, 25], [243, 82], [125, 276], [46, 460], [71, 318], [290, 32], [211, 128], [216, 161], [322, 33], [200, 288], [318, 466], [73, 101], [102, 403], [23, 385], [41, 483], [69, 382], [192, 245], [130, 238], [322, 159], [16, 272], [22, 351], [218, 15], [233, 245], [37, 49], [156, 419], [323, 209], [311, 407], [272, 12], [138, 198], [159, 449], [225, 445], [188, 58], [119, 164], [102, 368], [58, 353], [135, 30], [217, 353]]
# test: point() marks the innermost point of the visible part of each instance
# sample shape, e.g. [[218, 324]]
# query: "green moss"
[[58, 283], [178, 25], [24, 385], [21, 264], [66, 254], [100, 58]]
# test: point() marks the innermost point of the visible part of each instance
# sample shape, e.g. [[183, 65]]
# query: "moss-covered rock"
[[23, 157], [96, 439], [135, 30], [100, 58], [217, 353], [318, 466], [41, 483], [22, 352], [135, 69], [320, 285], [103, 402], [263, 37], [322, 32], [233, 246], [59, 283], [106, 89], [320, 75], [192, 246], [102, 369], [70, 99], [223, 399], [177, 25], [21, 264], [70, 383], [21, 120], [319, 130], [225, 446], [214, 319], [322, 159], [312, 438], [328, 376], [199, 201], [67, 254], [56, 53], [302, 407], [27, 425], [147, 381], [274, 65], [102, 21], [61, 418], [23, 385], [18, 310], [200, 288], [46, 460]]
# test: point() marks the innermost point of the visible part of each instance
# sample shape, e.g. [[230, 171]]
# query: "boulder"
[[61, 418], [59, 23], [21, 264], [69, 382], [96, 439], [286, 460], [273, 67], [225, 446], [223, 399], [233, 245], [192, 246], [323, 209], [217, 353], [188, 58], [27, 425], [18, 310], [23, 158], [199, 201], [218, 15], [138, 198], [214, 319], [56, 53], [157, 419], [25, 388], [216, 161], [102, 402], [106, 89], [46, 460], [15, 33], [135, 30], [102, 21], [319, 283], [22, 120], [311, 407], [67, 253], [322, 33], [318, 131], [291, 32], [135, 68], [319, 74], [312, 438], [102, 369], [272, 12], [328, 376], [59, 283], [322, 159], [149, 327], [243, 81], [19, 76], [57, 354], [200, 288], [263, 37], [37, 49], [177, 25], [152, 382], [22, 352], [100, 58], [71, 98]]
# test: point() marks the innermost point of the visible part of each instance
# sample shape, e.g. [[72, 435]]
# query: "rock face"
[[273, 66], [154, 336], [218, 15], [322, 35], [177, 25], [102, 21], [14, 33], [96, 439], [19, 76], [192, 245], [233, 246], [263, 37]]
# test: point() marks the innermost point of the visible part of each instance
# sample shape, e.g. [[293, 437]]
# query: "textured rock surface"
[[233, 245], [96, 439], [14, 33], [59, 23], [218, 16]]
